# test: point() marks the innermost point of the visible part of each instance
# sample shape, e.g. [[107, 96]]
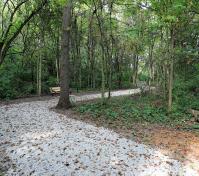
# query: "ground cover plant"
[[138, 109]]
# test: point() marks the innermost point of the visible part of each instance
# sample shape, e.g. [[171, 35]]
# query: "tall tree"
[[64, 100]]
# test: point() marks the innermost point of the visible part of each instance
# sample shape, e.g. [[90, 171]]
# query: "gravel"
[[35, 140]]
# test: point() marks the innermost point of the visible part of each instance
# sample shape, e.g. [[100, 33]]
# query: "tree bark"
[[170, 86], [118, 73], [39, 70], [100, 22], [151, 75], [110, 47], [64, 100], [135, 70], [57, 65], [91, 51], [1, 53]]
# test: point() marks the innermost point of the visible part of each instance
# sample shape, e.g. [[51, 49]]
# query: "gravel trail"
[[37, 141]]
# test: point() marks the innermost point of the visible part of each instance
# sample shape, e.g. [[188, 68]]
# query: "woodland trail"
[[77, 98], [34, 140]]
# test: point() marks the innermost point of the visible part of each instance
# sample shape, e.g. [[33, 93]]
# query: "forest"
[[114, 45], [101, 47]]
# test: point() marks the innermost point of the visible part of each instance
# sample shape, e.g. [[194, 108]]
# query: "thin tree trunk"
[[57, 70], [76, 52], [79, 56], [170, 86], [110, 55], [64, 100], [37, 71], [119, 78], [91, 51], [1, 53], [39, 75], [99, 19], [135, 70], [151, 75], [57, 60], [103, 80]]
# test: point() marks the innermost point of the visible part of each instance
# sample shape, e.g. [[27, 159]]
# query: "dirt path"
[[76, 97], [35, 140]]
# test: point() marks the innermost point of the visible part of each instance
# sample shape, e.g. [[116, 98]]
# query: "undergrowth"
[[150, 109]]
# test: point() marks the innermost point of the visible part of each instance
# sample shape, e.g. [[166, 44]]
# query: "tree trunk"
[[110, 80], [118, 73], [91, 51], [151, 75], [170, 86], [64, 100], [39, 69], [110, 47], [1, 56], [57, 70], [57, 65], [76, 49], [135, 70], [100, 22], [103, 79]]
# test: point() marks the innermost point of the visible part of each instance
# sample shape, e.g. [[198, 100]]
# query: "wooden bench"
[[55, 90]]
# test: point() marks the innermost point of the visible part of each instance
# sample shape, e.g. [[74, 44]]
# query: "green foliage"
[[131, 30], [7, 89], [150, 109], [143, 77], [186, 90], [51, 81], [14, 82]]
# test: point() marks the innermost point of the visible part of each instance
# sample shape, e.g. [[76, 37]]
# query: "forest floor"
[[37, 140]]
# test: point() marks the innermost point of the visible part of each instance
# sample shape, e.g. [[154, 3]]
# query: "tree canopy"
[[114, 44]]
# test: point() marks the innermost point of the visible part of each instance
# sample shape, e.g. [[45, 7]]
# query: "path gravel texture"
[[34, 140], [98, 95]]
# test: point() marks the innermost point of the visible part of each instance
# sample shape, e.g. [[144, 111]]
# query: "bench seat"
[[55, 90]]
